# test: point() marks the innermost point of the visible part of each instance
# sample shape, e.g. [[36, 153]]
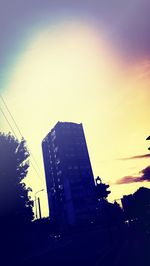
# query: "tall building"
[[69, 176]]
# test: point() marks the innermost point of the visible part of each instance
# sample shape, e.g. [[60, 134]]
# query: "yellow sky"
[[72, 73]]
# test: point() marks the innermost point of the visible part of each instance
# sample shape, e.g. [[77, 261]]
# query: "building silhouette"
[[69, 176]]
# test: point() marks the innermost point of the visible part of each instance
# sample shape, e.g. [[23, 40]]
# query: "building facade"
[[69, 176]]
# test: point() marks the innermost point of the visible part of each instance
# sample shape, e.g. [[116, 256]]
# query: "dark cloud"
[[127, 180], [142, 156], [145, 176]]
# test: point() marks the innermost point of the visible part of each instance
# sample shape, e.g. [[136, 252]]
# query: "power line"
[[19, 132], [37, 172], [8, 122], [15, 123], [11, 115], [35, 161]]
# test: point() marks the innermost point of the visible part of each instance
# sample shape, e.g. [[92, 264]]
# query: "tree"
[[15, 202]]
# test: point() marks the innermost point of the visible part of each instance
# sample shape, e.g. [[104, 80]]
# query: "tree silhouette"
[[15, 203]]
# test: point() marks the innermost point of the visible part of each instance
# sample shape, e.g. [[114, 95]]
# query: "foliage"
[[15, 203]]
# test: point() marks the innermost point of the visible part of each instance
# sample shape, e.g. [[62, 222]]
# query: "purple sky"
[[127, 23]]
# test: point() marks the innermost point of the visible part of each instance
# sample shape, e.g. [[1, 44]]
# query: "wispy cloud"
[[142, 156], [145, 176]]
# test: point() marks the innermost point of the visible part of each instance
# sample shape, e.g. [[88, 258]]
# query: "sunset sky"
[[80, 61]]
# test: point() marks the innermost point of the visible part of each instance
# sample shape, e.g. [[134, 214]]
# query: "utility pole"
[[35, 208], [39, 205]]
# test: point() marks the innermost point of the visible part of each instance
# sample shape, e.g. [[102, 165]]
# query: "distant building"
[[136, 205], [128, 206], [69, 176]]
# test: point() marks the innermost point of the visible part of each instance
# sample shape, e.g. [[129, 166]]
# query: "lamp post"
[[39, 206]]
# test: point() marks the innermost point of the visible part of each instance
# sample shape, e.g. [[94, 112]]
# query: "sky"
[[80, 61]]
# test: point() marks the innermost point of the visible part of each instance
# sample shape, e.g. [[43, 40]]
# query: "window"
[[56, 149], [57, 161], [76, 167], [59, 173], [84, 167], [60, 186], [53, 133]]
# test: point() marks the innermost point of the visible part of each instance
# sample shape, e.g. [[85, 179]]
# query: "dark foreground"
[[95, 246]]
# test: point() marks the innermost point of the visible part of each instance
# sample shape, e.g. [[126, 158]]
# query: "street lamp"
[[40, 216]]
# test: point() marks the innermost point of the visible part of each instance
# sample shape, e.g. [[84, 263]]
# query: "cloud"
[[145, 176], [142, 156], [127, 180]]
